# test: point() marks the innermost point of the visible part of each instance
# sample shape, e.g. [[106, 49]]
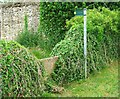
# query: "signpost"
[[80, 12]]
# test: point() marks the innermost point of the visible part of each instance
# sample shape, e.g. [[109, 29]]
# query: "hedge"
[[19, 70], [101, 49], [53, 16]]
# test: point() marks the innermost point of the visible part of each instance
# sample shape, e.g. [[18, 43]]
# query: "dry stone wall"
[[12, 18]]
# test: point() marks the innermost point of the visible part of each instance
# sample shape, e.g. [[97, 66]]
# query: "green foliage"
[[101, 47], [40, 53], [103, 24], [70, 65], [109, 5], [26, 23], [28, 38], [19, 70], [53, 16], [99, 84]]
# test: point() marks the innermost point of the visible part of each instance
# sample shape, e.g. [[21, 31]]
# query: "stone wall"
[[12, 18]]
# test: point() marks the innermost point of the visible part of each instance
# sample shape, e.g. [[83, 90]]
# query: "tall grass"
[[29, 38]]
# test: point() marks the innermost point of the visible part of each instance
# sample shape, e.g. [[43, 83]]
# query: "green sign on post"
[[83, 12], [79, 12]]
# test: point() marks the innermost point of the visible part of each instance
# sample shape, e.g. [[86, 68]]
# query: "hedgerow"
[[19, 71], [101, 48], [53, 16]]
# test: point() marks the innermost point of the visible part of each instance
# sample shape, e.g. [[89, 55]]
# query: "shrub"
[[53, 16], [70, 65], [28, 39], [103, 24], [19, 70], [101, 47]]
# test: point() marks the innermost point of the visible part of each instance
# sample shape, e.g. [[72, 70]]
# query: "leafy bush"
[[103, 24], [53, 16], [19, 70], [101, 47], [70, 65], [28, 39]]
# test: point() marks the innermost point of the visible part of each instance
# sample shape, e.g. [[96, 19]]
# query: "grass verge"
[[101, 84]]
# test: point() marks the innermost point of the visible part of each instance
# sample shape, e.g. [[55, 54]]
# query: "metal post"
[[85, 40]]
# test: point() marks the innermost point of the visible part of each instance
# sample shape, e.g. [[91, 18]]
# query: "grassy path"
[[100, 84]]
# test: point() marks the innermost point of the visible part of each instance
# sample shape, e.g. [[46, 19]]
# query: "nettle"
[[101, 48], [19, 70]]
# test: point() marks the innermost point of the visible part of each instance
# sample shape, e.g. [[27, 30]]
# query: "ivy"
[[19, 71], [101, 47], [53, 16]]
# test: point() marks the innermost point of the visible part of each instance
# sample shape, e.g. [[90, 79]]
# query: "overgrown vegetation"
[[99, 84], [40, 53], [28, 38], [19, 71], [53, 16], [102, 45]]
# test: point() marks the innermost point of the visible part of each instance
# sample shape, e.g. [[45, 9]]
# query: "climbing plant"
[[101, 48], [19, 71], [53, 16]]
